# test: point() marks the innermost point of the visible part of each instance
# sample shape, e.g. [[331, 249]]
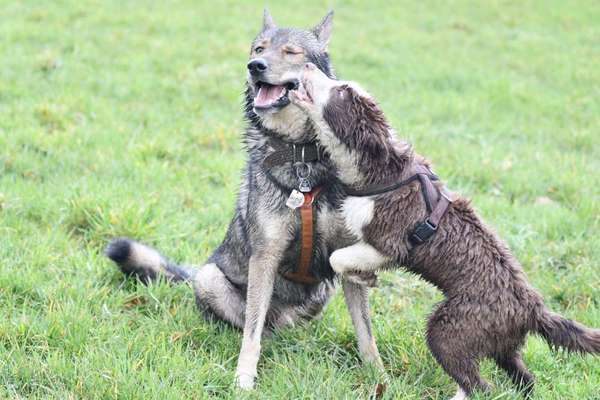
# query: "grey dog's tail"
[[145, 263], [569, 335]]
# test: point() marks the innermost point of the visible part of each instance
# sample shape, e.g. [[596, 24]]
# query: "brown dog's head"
[[343, 105], [343, 110], [347, 118]]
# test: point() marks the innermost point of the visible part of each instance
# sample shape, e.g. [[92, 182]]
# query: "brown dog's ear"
[[323, 30], [268, 22]]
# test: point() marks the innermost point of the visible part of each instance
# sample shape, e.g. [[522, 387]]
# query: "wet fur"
[[489, 307], [242, 281]]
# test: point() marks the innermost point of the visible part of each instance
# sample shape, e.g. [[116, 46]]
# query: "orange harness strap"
[[307, 219]]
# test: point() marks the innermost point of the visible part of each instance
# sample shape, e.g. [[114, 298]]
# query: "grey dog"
[[489, 306], [242, 281]]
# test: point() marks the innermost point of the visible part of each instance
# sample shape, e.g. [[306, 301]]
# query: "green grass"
[[124, 118]]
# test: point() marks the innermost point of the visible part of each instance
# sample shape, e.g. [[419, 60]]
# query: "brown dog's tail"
[[569, 335]]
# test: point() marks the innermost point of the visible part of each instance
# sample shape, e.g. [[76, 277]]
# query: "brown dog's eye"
[[342, 91], [259, 49]]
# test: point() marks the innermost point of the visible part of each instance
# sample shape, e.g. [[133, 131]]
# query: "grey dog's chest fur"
[[261, 201]]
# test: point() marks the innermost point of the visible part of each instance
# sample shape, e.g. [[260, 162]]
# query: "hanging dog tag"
[[295, 200], [304, 185]]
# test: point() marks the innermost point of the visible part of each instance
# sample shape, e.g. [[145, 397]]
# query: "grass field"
[[124, 118]]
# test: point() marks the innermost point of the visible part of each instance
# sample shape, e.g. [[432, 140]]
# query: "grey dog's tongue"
[[267, 95]]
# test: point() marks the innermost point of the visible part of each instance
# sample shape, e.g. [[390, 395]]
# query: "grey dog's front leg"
[[261, 275], [357, 301]]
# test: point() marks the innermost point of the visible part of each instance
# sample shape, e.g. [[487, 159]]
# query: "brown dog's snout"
[[257, 66]]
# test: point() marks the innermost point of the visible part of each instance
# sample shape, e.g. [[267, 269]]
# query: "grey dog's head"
[[277, 57]]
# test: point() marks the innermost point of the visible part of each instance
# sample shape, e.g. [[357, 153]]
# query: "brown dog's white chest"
[[357, 213]]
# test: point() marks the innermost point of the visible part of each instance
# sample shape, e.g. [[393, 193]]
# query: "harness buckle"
[[422, 232]]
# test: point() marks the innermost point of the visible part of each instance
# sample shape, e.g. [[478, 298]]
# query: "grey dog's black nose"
[[257, 66]]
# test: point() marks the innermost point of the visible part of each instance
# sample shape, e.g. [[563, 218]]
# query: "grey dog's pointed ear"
[[323, 29], [268, 22]]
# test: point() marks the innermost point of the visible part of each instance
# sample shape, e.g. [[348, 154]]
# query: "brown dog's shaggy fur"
[[489, 307]]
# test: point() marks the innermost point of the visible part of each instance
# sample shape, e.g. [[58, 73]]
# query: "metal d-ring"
[[303, 170]]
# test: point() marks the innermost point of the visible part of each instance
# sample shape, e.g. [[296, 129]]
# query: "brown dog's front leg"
[[261, 275]]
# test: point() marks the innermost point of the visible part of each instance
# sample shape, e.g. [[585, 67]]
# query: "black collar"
[[292, 152]]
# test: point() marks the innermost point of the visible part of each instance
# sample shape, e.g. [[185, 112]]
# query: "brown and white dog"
[[489, 306]]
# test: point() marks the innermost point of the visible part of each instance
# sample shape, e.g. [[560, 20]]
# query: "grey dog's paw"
[[245, 381], [365, 278]]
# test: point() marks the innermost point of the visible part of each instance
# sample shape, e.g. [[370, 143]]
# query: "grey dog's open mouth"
[[273, 96]]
